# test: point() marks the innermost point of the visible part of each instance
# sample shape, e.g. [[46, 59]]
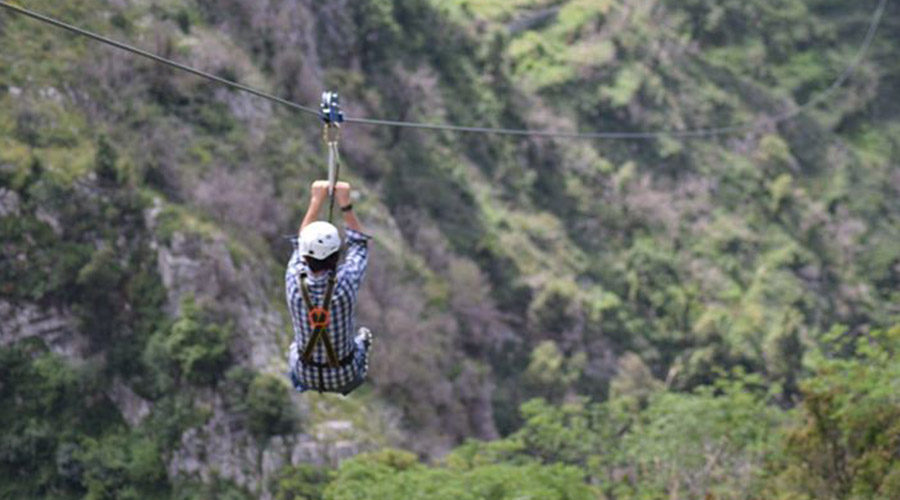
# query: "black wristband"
[[347, 208]]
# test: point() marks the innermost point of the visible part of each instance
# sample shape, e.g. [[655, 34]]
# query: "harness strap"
[[332, 117], [319, 319], [345, 361], [334, 168]]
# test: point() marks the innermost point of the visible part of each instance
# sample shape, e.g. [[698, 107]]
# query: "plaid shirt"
[[341, 329]]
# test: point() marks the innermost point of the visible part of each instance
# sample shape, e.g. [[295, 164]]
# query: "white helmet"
[[319, 240]]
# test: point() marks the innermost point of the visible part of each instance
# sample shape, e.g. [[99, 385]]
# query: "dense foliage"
[[674, 318], [725, 442]]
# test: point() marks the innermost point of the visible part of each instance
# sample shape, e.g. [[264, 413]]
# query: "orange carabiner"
[[319, 317]]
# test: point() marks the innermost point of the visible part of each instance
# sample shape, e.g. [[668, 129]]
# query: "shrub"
[[550, 373], [51, 418], [193, 350], [301, 482], [556, 309], [105, 163], [264, 399], [122, 466], [270, 411]]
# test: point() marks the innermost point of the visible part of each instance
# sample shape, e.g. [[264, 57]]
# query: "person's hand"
[[342, 193], [319, 191]]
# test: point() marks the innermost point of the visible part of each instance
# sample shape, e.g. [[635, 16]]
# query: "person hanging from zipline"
[[321, 295]]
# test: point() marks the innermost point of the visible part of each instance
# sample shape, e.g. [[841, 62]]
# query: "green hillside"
[[677, 317]]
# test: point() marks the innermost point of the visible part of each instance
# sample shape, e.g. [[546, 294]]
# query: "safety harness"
[[319, 318]]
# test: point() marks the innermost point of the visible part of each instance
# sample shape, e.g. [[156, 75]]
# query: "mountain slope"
[[144, 215]]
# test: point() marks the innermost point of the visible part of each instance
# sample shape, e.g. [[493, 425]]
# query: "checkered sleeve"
[[353, 269], [296, 267]]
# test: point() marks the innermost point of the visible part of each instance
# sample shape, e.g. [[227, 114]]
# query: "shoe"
[[365, 337]]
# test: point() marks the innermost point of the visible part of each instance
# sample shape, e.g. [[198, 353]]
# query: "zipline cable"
[[823, 96]]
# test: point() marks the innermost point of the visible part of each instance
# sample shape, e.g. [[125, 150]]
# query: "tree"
[[846, 441], [711, 443], [393, 475], [193, 349], [105, 162]]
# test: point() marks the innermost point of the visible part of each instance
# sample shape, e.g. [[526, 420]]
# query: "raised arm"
[[352, 270], [319, 193], [342, 194]]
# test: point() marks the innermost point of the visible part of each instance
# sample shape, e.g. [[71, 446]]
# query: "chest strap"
[[319, 318]]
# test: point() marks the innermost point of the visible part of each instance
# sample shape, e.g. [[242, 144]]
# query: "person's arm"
[[342, 195], [319, 193], [356, 260]]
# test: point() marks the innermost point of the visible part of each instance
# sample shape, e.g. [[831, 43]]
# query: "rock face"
[[223, 447], [204, 266], [55, 327], [133, 407], [9, 203]]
